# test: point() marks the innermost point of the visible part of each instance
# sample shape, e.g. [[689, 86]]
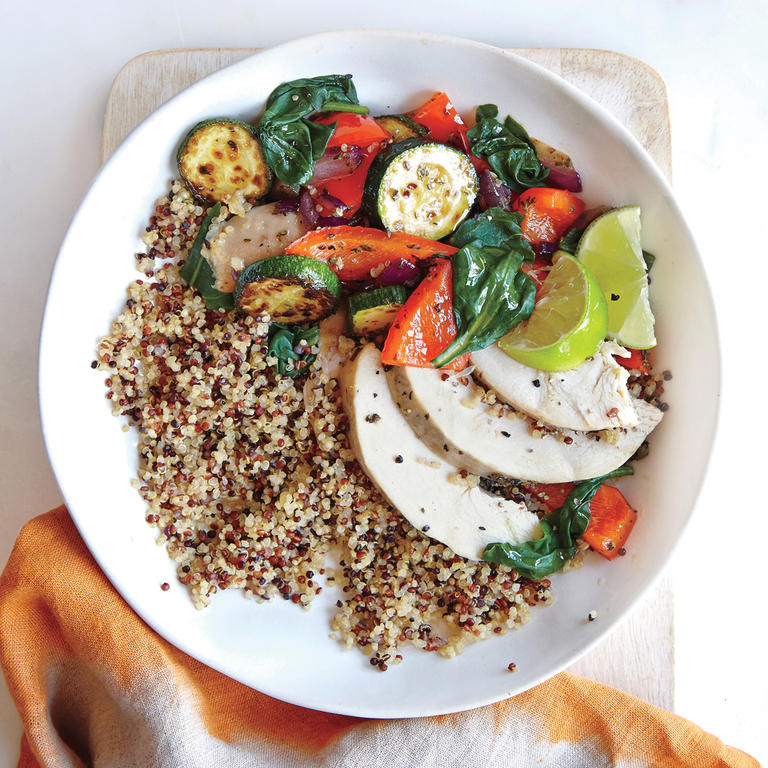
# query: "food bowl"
[[276, 647]]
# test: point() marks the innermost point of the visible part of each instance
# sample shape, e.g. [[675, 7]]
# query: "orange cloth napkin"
[[94, 686]]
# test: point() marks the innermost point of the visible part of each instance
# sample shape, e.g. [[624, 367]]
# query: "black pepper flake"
[[505, 433], [95, 364], [615, 297], [536, 383], [425, 528], [592, 615], [398, 459], [481, 527], [372, 418]]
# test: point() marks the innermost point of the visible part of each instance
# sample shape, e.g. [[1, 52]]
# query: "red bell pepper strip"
[[610, 523], [353, 129], [637, 360], [440, 118], [348, 189], [547, 213], [611, 516], [352, 252], [425, 324]]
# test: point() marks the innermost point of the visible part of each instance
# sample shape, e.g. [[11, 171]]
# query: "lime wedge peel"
[[567, 324], [610, 249]]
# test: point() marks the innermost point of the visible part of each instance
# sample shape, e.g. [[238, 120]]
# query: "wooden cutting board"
[[638, 657]]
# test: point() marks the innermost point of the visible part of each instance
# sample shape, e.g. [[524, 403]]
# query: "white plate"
[[276, 648]]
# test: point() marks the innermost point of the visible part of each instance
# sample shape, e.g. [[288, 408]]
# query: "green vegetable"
[[373, 311], [508, 149], [197, 271], [401, 127], [289, 140], [420, 187], [649, 258], [537, 559], [289, 288], [220, 157], [490, 294], [283, 341], [496, 227], [570, 240]]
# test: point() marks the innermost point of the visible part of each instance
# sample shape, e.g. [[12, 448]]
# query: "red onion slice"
[[336, 163], [307, 210], [493, 193], [562, 174], [399, 272], [563, 178]]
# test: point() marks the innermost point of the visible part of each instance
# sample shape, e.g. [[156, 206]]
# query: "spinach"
[[570, 240], [490, 294], [508, 149], [496, 227], [283, 341], [289, 140], [197, 271], [648, 258], [540, 557]]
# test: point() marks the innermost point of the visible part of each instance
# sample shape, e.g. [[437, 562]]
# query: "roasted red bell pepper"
[[637, 361], [425, 324], [347, 189], [440, 118], [353, 129], [547, 213], [611, 516], [610, 523], [353, 252]]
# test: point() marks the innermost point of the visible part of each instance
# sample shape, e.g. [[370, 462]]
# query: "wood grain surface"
[[638, 656]]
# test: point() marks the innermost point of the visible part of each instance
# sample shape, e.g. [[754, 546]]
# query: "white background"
[[58, 60]]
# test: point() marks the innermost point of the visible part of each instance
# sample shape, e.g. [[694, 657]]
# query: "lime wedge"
[[566, 325], [610, 249]]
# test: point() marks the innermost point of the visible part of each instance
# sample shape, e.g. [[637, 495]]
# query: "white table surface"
[[58, 60]]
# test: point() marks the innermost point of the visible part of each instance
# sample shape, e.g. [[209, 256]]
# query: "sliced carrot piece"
[[425, 324], [353, 252], [610, 523]]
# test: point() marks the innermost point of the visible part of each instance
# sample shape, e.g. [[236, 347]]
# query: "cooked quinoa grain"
[[250, 482]]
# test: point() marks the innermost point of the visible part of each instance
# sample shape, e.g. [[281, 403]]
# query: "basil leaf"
[[197, 271], [282, 344], [290, 142], [490, 294], [508, 149], [540, 557], [570, 240]]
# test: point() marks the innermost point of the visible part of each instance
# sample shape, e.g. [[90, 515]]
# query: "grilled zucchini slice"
[[420, 187], [221, 157], [290, 289], [373, 311], [401, 127]]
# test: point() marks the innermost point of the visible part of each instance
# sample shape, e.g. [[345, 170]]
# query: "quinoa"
[[253, 486]]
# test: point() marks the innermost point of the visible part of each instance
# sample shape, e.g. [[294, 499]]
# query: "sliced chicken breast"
[[263, 231], [418, 482], [452, 419], [591, 396]]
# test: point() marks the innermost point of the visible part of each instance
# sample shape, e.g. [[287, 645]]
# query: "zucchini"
[[401, 127], [290, 289], [220, 157], [373, 311], [421, 188]]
